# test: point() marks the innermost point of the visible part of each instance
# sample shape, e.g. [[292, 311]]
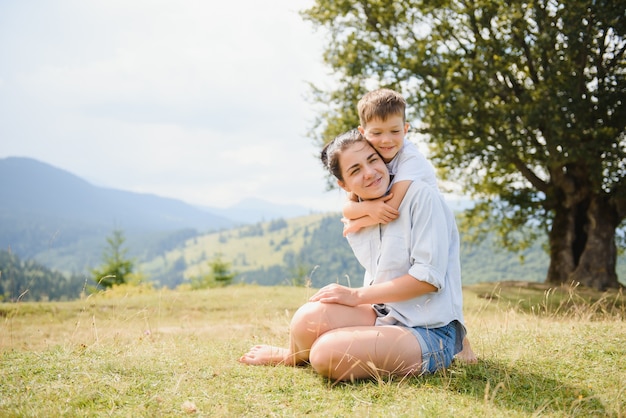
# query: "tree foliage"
[[116, 267], [521, 102], [221, 274]]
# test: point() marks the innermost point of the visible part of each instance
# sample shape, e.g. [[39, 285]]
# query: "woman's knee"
[[332, 357], [321, 356], [308, 319]]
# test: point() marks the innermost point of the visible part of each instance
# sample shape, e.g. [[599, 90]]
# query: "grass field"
[[159, 353]]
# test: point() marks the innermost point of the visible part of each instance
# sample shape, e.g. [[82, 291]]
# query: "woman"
[[407, 318]]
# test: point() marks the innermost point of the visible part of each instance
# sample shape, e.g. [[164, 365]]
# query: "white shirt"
[[423, 242], [410, 164]]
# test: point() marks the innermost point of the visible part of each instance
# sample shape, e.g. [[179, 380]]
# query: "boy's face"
[[386, 136], [364, 172]]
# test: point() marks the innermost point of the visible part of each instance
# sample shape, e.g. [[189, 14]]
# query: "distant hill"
[[268, 253], [252, 210], [58, 218], [313, 248], [35, 189], [61, 221]]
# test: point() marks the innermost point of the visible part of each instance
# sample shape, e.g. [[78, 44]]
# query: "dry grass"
[[543, 352]]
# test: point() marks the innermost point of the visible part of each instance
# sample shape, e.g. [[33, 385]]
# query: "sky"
[[196, 100]]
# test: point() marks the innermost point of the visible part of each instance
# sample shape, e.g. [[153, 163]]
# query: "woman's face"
[[364, 172]]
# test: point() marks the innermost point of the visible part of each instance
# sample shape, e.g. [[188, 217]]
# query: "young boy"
[[383, 123]]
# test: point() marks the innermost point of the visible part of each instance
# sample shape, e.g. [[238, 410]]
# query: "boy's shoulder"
[[409, 151], [409, 148], [411, 164], [421, 191]]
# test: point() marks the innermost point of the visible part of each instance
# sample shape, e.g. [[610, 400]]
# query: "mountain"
[[30, 188], [61, 220], [253, 210]]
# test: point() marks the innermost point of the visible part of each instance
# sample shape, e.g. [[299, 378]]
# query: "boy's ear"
[[343, 185], [362, 130], [406, 127]]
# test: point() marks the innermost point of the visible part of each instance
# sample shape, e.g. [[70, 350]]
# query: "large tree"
[[521, 102]]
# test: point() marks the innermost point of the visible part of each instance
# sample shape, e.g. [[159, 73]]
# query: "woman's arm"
[[396, 290]]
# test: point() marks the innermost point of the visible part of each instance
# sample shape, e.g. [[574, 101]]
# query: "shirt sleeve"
[[429, 238], [412, 165]]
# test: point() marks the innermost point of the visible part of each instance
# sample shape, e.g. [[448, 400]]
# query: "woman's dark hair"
[[332, 150]]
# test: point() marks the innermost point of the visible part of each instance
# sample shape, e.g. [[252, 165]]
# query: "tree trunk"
[[561, 239], [582, 245]]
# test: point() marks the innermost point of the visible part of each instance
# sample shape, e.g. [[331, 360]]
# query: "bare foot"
[[467, 355], [269, 355]]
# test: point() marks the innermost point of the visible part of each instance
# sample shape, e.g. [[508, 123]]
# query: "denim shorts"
[[439, 345]]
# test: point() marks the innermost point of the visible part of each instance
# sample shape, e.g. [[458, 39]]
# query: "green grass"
[[130, 353]]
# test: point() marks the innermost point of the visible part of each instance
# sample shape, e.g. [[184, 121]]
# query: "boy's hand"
[[380, 211], [350, 226]]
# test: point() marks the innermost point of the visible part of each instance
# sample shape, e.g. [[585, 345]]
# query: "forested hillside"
[[325, 257], [22, 280], [312, 249], [275, 252], [300, 251]]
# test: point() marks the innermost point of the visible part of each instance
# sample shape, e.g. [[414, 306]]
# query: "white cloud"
[[181, 99]]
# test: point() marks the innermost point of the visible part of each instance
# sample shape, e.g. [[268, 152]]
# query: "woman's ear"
[[343, 185]]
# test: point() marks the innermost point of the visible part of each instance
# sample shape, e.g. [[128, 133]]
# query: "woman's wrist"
[[361, 295]]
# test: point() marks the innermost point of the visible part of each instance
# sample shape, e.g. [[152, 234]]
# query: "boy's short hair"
[[381, 104]]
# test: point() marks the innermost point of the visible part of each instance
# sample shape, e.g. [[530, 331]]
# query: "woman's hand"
[[335, 293]]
